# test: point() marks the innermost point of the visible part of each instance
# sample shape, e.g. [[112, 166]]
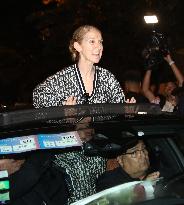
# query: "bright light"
[[151, 19]]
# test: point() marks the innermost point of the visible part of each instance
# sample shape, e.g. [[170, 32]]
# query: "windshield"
[[155, 140]]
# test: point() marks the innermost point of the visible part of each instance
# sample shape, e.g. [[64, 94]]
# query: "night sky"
[[34, 37]]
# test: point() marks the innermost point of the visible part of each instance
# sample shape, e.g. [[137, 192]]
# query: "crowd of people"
[[66, 177], [167, 95]]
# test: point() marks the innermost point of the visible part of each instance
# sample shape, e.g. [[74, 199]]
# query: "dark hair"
[[132, 76], [128, 144]]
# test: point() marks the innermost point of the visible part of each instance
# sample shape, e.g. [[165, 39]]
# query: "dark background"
[[35, 35]]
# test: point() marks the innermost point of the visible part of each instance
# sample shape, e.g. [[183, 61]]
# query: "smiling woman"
[[69, 87]]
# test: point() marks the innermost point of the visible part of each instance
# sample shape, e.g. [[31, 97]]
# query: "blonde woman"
[[68, 87]]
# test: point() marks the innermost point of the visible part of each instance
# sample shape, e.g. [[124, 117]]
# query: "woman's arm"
[[146, 87], [179, 76]]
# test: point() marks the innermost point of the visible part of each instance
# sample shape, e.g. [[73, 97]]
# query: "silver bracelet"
[[171, 62]]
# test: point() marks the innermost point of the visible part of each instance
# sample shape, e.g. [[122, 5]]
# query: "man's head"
[[135, 161], [132, 81]]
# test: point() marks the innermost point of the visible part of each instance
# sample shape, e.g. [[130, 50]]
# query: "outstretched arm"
[[179, 76], [146, 88]]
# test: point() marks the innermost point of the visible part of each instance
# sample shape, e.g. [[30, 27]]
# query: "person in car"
[[82, 82], [134, 165]]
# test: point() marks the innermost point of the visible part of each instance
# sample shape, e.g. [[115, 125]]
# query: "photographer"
[[167, 101]]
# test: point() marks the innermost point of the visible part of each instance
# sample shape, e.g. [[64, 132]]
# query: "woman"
[[68, 87]]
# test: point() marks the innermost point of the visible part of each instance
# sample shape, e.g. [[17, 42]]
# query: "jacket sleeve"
[[116, 93], [50, 92]]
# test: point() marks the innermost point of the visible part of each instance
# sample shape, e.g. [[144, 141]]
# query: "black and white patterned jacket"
[[82, 171], [68, 82]]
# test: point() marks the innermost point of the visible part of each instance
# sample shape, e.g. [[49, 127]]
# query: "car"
[[25, 131]]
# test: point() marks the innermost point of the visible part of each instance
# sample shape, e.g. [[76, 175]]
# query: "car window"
[[104, 138]]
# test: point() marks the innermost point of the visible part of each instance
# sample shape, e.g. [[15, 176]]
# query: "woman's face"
[[90, 48]]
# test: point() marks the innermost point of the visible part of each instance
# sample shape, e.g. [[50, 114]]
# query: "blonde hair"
[[78, 36]]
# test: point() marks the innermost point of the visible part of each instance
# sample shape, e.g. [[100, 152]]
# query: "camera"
[[157, 47]]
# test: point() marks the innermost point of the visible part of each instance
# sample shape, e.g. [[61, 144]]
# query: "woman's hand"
[[132, 100], [168, 58], [70, 101], [156, 100]]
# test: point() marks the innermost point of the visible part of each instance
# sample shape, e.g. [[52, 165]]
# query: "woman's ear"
[[77, 46]]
